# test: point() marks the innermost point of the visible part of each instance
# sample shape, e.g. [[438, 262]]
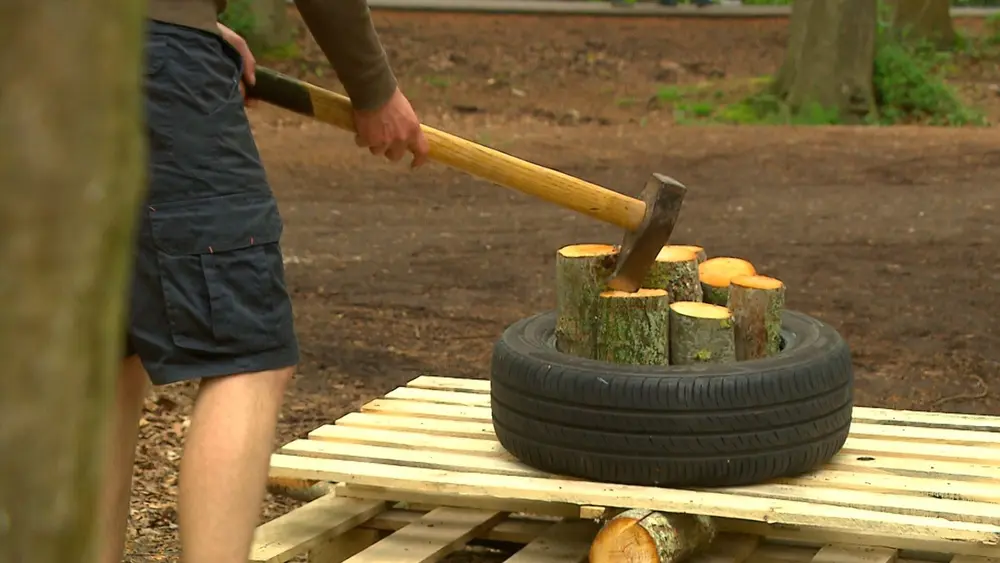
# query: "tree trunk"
[[923, 20], [72, 168], [715, 275], [830, 58], [582, 271], [701, 333], [756, 303], [633, 328], [643, 536], [676, 271]]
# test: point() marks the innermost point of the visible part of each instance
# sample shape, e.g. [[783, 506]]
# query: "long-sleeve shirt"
[[343, 29]]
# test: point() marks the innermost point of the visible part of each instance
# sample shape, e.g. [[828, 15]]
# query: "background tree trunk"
[[830, 58], [71, 167], [919, 20]]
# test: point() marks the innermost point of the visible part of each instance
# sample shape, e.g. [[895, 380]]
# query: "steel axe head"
[[663, 197]]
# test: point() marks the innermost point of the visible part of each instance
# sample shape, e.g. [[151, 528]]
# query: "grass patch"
[[910, 85]]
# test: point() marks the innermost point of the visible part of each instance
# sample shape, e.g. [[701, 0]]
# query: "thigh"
[[209, 295]]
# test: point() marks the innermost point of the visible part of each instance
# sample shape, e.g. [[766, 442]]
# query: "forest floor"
[[889, 234]]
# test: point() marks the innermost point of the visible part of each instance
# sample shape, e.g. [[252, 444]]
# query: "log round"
[[644, 536]]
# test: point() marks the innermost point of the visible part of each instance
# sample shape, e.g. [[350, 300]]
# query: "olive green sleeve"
[[344, 31]]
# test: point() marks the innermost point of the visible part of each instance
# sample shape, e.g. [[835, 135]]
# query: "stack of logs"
[[691, 309]]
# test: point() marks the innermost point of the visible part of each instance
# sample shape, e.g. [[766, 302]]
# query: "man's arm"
[[343, 29]]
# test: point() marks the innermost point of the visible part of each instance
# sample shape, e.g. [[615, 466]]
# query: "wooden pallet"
[[335, 530], [906, 480]]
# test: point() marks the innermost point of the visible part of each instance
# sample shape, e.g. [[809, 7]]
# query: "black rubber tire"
[[706, 425]]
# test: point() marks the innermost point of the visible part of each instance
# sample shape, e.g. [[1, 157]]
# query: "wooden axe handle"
[[562, 189]]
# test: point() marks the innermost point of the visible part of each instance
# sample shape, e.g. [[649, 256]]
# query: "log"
[[303, 490], [715, 275], [699, 251], [756, 303], [582, 271], [701, 333], [676, 270], [633, 328], [643, 536]]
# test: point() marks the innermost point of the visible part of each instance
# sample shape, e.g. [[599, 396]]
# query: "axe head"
[[663, 197]]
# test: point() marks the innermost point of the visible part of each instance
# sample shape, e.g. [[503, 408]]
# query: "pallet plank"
[[431, 538], [450, 383], [428, 410], [405, 439], [310, 525], [565, 542], [545, 508], [513, 529], [439, 427], [855, 554], [975, 559], [671, 500]]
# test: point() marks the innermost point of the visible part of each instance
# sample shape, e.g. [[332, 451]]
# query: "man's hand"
[[392, 130], [249, 62]]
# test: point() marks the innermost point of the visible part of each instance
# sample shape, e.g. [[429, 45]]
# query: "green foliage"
[[239, 17], [908, 80]]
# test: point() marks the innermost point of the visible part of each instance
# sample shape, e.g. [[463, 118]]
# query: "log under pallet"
[[924, 485]]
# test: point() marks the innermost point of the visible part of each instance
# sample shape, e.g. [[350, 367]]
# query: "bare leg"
[[119, 458], [223, 474]]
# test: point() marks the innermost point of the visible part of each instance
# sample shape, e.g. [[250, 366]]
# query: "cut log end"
[[642, 536], [676, 270], [699, 251], [633, 327], [756, 303], [716, 274], [757, 282], [701, 333], [586, 250]]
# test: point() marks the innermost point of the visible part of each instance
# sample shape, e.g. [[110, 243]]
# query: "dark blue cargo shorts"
[[208, 288]]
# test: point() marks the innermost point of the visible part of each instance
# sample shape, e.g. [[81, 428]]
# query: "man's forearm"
[[343, 29]]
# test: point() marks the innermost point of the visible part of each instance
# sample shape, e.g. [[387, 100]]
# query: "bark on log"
[[715, 275], [923, 20], [676, 270], [701, 333], [303, 490], [643, 536], [699, 251], [633, 328], [72, 168], [756, 303], [830, 58], [582, 271]]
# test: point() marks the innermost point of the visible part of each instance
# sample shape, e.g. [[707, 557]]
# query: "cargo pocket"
[[221, 273]]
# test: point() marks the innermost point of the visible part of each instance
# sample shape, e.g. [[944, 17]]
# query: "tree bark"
[[701, 333], [715, 275], [643, 536], [676, 271], [72, 168], [923, 20], [582, 271], [756, 303], [633, 328], [830, 58]]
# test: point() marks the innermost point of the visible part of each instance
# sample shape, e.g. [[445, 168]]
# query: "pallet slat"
[[792, 513], [565, 542], [317, 522], [431, 538], [904, 480]]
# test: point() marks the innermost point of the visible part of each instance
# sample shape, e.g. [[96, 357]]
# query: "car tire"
[[704, 425]]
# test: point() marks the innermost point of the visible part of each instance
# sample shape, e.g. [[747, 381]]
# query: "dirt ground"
[[891, 234]]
